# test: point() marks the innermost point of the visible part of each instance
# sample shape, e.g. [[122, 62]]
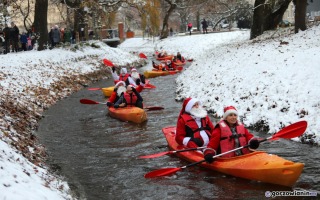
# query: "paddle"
[[108, 62], [169, 152], [94, 89], [89, 101], [291, 131], [142, 55]]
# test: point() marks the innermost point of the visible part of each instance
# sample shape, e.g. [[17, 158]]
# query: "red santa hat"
[[187, 105], [120, 82], [229, 110]]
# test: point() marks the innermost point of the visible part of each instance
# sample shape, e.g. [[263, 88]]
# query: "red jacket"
[[216, 139], [182, 130]]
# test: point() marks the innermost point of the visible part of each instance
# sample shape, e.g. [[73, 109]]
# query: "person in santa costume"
[[229, 134], [129, 98], [137, 77], [123, 76], [118, 90], [194, 127]]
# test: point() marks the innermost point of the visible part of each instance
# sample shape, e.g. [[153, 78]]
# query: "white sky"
[[259, 78]]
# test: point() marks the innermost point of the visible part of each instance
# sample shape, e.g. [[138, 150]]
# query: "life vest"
[[131, 100], [227, 139], [123, 77], [193, 130]]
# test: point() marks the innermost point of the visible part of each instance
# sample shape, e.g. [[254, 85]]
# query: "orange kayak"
[[131, 114], [258, 165], [107, 91], [155, 73]]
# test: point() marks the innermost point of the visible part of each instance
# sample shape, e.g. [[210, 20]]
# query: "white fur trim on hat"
[[123, 71], [190, 104], [228, 112], [124, 84], [133, 69]]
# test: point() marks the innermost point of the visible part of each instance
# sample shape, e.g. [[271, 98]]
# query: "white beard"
[[120, 90], [199, 112], [135, 75]]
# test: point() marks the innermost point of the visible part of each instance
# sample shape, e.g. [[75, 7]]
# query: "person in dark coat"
[[24, 41], [14, 37], [204, 26], [6, 32]]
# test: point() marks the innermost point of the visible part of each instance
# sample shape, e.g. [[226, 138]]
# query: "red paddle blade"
[[94, 89], [154, 108], [88, 101], [291, 131], [190, 60], [142, 55], [156, 155], [149, 86], [108, 63], [179, 68], [161, 172]]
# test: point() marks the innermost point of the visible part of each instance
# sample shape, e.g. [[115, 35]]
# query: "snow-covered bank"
[[29, 83], [272, 82]]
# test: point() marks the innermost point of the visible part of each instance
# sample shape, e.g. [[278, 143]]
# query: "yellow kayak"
[[107, 91], [131, 114]]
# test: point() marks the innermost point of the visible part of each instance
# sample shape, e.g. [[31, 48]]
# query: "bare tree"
[[40, 22]]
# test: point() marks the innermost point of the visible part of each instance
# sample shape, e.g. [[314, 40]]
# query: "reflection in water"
[[98, 155]]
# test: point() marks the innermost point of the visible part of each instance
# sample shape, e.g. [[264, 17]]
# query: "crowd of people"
[[12, 40]]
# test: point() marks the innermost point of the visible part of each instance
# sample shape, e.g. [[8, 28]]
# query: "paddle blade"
[[161, 172], [291, 131], [154, 108], [149, 86], [155, 155], [88, 101], [94, 89], [108, 63], [179, 68], [142, 55]]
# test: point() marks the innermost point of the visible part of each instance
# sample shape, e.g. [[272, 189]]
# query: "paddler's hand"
[[209, 157], [253, 143], [122, 105]]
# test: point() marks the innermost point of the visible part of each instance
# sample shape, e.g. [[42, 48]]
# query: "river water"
[[98, 155]]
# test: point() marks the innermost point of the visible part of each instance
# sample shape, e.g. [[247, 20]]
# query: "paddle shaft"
[[236, 149]]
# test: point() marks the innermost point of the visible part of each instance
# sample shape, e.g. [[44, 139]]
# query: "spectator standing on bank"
[[67, 35], [190, 27], [6, 32], [23, 41], [56, 35], [29, 43], [14, 37], [204, 26]]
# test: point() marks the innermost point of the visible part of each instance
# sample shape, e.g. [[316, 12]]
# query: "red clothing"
[[185, 130], [216, 140]]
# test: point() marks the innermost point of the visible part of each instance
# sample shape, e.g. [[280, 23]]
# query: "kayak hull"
[[258, 165], [155, 73], [131, 114], [107, 91]]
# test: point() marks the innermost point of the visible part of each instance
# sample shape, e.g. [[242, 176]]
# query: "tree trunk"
[[165, 29], [40, 22], [299, 17], [258, 19], [265, 18]]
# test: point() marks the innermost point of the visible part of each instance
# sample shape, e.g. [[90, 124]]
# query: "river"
[[98, 155]]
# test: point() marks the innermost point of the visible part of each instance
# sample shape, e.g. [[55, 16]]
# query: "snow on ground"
[[270, 82]]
